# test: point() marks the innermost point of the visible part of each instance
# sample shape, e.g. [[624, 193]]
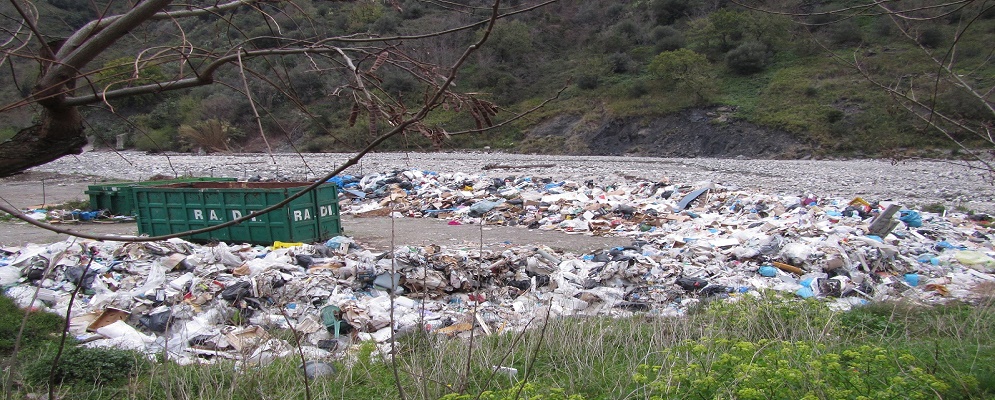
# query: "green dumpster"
[[181, 207], [118, 199]]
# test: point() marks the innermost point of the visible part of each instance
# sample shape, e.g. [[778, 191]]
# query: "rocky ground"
[[912, 183]]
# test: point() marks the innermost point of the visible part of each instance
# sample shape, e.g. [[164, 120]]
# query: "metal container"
[[118, 198], [180, 207]]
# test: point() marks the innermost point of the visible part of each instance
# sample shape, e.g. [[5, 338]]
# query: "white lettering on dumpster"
[[302, 215], [236, 214], [325, 211], [211, 215]]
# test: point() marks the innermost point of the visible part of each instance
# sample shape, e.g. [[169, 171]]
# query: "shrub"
[[846, 33], [153, 140], [930, 37], [883, 26], [747, 58], [588, 82], [667, 39], [211, 135], [86, 365], [722, 368], [413, 10], [322, 144], [636, 90], [620, 63], [41, 326], [685, 69], [667, 12], [834, 115]]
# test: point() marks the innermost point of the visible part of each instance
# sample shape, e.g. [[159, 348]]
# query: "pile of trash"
[[73, 216], [199, 303]]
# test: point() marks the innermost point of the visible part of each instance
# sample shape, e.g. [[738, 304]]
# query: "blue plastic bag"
[[911, 218]]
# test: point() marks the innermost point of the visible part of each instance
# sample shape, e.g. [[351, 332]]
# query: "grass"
[[39, 329], [797, 349]]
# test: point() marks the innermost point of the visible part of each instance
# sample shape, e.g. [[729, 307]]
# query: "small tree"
[[685, 70], [211, 135]]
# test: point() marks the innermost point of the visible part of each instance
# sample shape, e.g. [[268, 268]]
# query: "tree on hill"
[[685, 69], [268, 51]]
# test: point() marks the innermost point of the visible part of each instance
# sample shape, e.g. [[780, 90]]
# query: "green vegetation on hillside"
[[636, 60]]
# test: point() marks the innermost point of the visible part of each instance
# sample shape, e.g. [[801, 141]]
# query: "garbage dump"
[[689, 242]]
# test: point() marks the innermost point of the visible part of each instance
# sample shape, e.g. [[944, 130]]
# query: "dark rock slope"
[[709, 132]]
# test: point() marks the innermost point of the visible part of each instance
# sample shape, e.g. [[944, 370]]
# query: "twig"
[[252, 104], [300, 352], [535, 353], [392, 292], [65, 329]]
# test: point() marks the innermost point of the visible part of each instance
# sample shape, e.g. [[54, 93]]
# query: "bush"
[[930, 37], [748, 58], [722, 368], [834, 115], [667, 12], [667, 39], [686, 70], [211, 135], [41, 326], [846, 33], [153, 140], [620, 63], [323, 144], [636, 90], [86, 365], [588, 82], [412, 11]]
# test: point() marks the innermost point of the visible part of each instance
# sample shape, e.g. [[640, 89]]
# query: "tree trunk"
[[60, 133]]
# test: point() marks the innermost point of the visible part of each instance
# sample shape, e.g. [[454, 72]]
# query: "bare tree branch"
[[436, 99]]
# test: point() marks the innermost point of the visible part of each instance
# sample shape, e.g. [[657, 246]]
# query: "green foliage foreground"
[[745, 347], [723, 368]]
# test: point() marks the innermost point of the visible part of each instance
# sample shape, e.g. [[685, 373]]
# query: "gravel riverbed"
[[912, 183]]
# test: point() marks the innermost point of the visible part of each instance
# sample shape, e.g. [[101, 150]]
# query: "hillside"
[[659, 77]]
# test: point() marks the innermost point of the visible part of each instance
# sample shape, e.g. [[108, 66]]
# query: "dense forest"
[[835, 82]]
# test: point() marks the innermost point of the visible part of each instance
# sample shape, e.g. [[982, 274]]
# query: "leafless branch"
[[429, 105]]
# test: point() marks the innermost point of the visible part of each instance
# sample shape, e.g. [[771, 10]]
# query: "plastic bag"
[[911, 218]]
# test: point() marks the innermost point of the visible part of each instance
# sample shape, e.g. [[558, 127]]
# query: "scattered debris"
[[198, 303]]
